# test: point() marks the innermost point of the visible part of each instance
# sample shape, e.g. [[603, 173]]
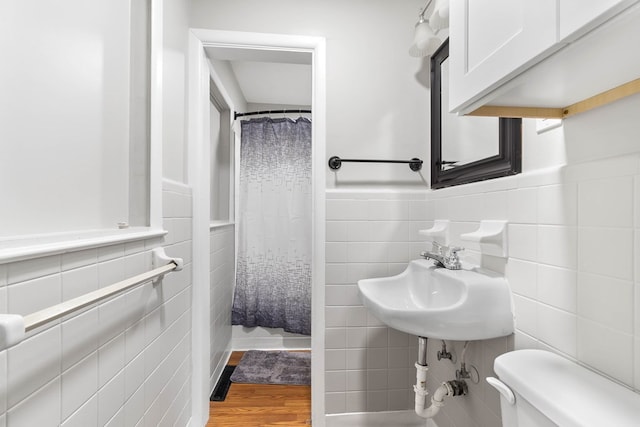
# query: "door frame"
[[198, 84]]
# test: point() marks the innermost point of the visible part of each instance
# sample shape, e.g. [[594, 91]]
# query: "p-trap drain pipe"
[[447, 388]]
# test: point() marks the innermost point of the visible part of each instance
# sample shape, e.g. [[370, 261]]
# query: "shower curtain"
[[273, 277]]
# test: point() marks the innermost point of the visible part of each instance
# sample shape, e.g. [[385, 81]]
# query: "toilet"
[[541, 389]]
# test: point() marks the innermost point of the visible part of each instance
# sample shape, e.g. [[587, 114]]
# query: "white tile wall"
[[594, 259], [556, 286], [596, 342], [42, 408], [110, 398], [523, 242], [86, 415], [557, 204], [606, 202], [33, 295], [32, 364], [606, 300], [574, 236], [573, 268], [3, 382], [556, 327], [121, 362], [222, 279], [557, 245], [522, 206], [79, 281], [523, 277], [79, 384], [636, 366], [369, 367]]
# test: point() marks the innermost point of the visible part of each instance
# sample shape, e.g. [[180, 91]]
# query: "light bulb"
[[425, 42], [440, 16]]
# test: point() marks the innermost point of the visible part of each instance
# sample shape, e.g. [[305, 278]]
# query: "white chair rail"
[[13, 327]]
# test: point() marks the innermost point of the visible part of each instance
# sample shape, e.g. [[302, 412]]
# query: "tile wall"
[[574, 240], [122, 362], [369, 367], [573, 267], [222, 279]]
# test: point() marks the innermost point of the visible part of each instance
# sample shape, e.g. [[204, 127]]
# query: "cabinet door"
[[577, 17], [494, 40]]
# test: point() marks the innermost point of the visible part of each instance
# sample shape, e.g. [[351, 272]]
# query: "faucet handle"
[[436, 247], [453, 262], [453, 252]]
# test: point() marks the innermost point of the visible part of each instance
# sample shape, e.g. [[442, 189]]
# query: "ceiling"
[[269, 76]]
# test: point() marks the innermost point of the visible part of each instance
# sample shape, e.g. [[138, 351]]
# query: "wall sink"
[[433, 302]]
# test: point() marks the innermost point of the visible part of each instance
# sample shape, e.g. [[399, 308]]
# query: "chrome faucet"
[[444, 256]]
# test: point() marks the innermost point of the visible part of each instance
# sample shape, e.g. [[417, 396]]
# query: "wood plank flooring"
[[261, 405]]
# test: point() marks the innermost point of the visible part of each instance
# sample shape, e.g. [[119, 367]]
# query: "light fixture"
[[439, 18], [425, 41]]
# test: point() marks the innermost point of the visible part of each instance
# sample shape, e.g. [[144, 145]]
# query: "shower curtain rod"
[[253, 113]]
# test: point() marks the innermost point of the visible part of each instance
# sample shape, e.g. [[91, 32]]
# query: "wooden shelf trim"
[[517, 112], [604, 98]]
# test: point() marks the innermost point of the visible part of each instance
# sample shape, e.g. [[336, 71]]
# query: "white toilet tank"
[[541, 389]]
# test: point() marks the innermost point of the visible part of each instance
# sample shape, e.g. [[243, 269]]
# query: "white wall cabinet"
[[577, 17], [494, 41]]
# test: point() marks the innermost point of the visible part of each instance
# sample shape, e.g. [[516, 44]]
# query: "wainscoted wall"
[[369, 367], [573, 234], [123, 362], [573, 266], [574, 240], [221, 281]]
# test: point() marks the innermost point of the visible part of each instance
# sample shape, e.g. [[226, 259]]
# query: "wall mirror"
[[467, 149]]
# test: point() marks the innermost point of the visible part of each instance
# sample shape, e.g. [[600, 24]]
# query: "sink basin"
[[433, 302]]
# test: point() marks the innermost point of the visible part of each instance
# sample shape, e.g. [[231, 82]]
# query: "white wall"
[[228, 80], [221, 170], [377, 104], [64, 114], [126, 361], [174, 78]]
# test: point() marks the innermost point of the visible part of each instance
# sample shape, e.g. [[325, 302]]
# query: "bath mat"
[[273, 367], [222, 388]]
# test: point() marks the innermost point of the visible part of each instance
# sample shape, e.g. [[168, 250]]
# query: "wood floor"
[[261, 405]]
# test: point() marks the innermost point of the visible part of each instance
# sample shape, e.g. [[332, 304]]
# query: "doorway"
[[272, 95], [199, 116]]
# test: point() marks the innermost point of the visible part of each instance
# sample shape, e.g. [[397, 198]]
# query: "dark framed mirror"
[[467, 149]]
